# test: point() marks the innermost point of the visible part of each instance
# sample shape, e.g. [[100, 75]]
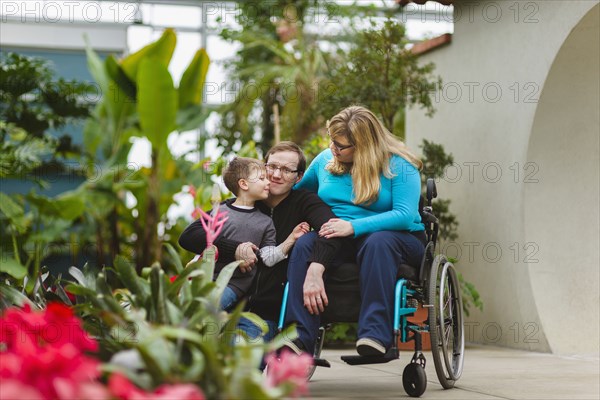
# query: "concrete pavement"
[[489, 373]]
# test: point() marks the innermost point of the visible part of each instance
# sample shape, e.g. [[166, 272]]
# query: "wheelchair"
[[434, 285]]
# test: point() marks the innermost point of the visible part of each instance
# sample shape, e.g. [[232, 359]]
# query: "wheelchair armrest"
[[427, 217]]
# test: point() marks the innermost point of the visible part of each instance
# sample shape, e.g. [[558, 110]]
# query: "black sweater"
[[266, 292]]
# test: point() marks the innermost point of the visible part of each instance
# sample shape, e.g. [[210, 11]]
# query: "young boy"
[[246, 178]]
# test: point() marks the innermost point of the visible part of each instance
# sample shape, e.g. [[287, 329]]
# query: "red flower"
[[42, 357], [45, 351]]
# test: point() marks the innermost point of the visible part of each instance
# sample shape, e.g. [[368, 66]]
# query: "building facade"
[[519, 110]]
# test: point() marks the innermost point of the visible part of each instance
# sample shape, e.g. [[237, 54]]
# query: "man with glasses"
[[285, 165]]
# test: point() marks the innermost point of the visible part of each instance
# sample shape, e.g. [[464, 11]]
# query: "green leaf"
[[129, 277], [157, 102], [78, 275], [122, 81], [157, 290], [14, 212], [256, 320], [70, 205], [174, 257], [287, 334], [13, 296], [158, 356], [161, 50], [192, 81], [95, 66], [180, 333], [13, 268], [223, 279], [79, 290], [191, 270], [192, 117], [93, 134]]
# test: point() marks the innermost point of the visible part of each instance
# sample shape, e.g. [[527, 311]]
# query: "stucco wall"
[[521, 160]]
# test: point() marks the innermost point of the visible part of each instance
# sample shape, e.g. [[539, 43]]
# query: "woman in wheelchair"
[[372, 183]]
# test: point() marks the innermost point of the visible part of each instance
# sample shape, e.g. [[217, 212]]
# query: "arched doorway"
[[562, 194]]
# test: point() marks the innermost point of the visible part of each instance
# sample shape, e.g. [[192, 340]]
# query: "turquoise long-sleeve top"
[[396, 208]]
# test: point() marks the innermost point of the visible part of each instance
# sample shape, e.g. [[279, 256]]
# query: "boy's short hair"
[[289, 146], [240, 168]]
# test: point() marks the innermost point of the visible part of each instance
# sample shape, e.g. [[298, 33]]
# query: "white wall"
[[496, 73]]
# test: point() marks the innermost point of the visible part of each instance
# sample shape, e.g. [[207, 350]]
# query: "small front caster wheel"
[[414, 380]]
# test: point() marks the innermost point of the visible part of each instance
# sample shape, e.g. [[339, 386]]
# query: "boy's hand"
[[247, 253], [300, 229]]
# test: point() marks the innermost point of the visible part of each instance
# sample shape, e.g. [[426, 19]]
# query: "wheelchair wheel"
[[445, 322], [316, 352], [414, 379]]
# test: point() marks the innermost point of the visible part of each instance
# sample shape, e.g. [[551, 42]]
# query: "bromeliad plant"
[[155, 330]]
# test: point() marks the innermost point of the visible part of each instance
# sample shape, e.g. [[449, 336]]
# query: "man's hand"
[[315, 298], [247, 253]]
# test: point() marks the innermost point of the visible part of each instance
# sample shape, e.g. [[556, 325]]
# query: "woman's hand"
[[315, 298], [336, 227], [246, 252]]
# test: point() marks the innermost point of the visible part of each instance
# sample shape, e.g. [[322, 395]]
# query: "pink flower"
[[123, 389], [180, 392], [14, 390], [68, 390], [207, 166], [289, 368]]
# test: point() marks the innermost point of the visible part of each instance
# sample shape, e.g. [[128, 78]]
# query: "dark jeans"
[[378, 255]]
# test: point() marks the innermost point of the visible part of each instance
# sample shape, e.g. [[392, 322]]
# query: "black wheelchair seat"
[[343, 291]]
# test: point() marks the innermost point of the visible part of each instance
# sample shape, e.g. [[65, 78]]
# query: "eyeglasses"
[[335, 144], [271, 168], [339, 147]]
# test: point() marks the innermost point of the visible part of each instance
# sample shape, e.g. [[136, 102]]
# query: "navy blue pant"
[[378, 255]]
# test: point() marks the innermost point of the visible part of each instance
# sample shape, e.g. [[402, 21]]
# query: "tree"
[[381, 73], [280, 66], [34, 102]]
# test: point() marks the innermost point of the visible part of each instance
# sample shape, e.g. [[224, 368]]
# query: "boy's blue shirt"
[[396, 208]]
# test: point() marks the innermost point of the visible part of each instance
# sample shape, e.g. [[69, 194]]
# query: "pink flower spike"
[[219, 224], [212, 224]]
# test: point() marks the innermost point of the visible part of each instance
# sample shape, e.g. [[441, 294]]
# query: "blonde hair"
[[373, 147]]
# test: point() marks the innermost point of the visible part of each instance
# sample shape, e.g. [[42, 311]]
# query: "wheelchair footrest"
[[321, 362], [391, 355]]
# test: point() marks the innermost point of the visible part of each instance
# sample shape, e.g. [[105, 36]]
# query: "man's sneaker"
[[369, 347]]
